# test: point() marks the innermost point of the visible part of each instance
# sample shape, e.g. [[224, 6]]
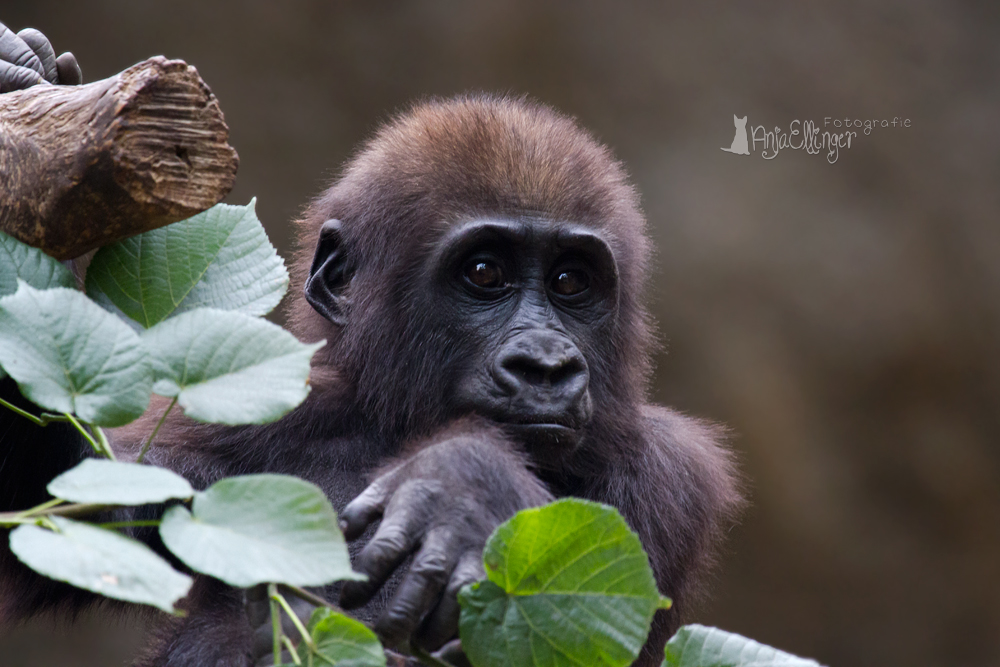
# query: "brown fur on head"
[[447, 161]]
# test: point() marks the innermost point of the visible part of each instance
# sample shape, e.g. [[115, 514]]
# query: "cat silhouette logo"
[[740, 145]]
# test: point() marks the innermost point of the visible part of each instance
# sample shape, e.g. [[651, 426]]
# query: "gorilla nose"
[[543, 363]]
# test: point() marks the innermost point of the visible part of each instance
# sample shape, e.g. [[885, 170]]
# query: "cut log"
[[84, 166]]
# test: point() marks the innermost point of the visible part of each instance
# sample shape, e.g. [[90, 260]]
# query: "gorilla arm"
[[443, 501], [680, 492], [677, 489]]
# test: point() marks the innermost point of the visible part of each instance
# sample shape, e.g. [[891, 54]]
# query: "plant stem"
[[301, 593], [291, 649], [26, 415], [40, 509], [83, 431], [48, 523], [428, 659], [79, 509], [311, 598], [280, 599], [146, 445], [49, 509], [276, 632], [103, 440], [8, 520]]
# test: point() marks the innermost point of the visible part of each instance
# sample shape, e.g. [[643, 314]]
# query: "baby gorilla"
[[478, 273]]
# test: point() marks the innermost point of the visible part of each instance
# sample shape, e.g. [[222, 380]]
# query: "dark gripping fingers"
[[442, 623], [43, 49], [421, 587], [69, 70], [14, 78], [14, 50]]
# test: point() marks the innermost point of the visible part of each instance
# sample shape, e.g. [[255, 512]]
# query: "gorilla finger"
[[364, 509], [453, 654], [14, 78], [40, 44], [395, 538], [258, 605], [442, 623], [428, 575], [69, 70], [16, 52]]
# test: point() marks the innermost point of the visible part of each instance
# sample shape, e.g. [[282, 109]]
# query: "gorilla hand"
[[441, 503], [27, 59]]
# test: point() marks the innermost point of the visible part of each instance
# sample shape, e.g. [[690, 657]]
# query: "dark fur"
[[381, 380]]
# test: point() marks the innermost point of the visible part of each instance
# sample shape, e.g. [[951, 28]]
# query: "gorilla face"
[[530, 298]]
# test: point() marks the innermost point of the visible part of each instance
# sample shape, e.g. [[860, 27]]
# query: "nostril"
[[565, 371], [541, 371], [525, 370]]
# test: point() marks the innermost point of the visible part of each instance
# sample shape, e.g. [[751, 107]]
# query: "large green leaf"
[[20, 260], [101, 561], [220, 259], [567, 584], [118, 483], [69, 355], [342, 641], [229, 368], [700, 646], [260, 528]]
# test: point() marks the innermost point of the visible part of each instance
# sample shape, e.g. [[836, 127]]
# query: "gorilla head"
[[482, 255]]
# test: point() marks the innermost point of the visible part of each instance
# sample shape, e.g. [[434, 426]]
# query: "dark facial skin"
[[527, 291]]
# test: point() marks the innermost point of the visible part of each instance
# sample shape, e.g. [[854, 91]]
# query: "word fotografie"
[[805, 135]]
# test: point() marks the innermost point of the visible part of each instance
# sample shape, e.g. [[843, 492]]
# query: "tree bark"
[[84, 166]]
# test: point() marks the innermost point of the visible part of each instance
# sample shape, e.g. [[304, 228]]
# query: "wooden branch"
[[84, 166]]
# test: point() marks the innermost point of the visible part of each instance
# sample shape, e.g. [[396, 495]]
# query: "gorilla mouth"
[[550, 434]]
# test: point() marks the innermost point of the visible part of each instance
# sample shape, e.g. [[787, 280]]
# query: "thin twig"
[[71, 510], [291, 649], [83, 431], [276, 631], [79, 509], [149, 442], [103, 439], [311, 598], [26, 415], [306, 637], [41, 509]]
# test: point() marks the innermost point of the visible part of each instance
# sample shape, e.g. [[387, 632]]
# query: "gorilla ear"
[[330, 275]]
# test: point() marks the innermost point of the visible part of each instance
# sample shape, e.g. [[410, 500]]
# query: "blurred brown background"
[[843, 319]]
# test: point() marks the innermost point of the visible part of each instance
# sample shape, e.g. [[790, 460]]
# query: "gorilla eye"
[[484, 274], [570, 283]]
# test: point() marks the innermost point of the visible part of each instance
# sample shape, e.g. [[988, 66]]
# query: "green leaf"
[[101, 561], [567, 584], [342, 640], [22, 261], [69, 355], [229, 368], [220, 259], [118, 483], [260, 528], [700, 646]]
